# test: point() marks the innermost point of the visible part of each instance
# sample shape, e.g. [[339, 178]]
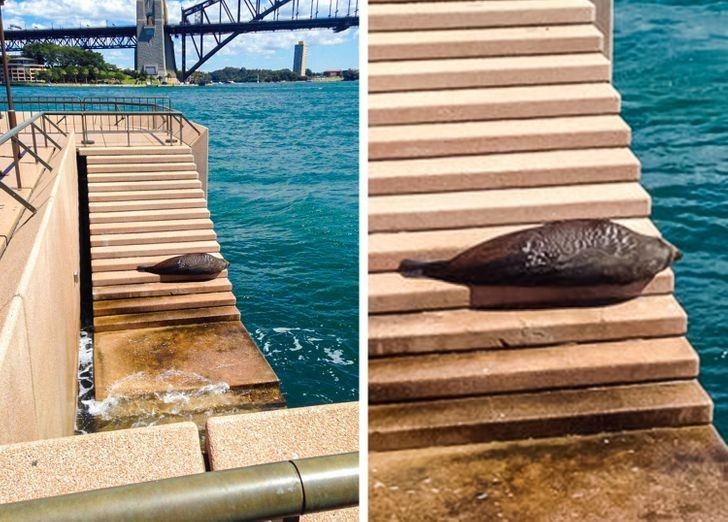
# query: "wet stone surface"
[[657, 475], [156, 375]]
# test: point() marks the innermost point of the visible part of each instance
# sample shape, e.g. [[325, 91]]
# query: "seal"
[[188, 265], [578, 252]]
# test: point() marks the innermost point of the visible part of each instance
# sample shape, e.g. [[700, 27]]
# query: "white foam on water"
[[337, 356]]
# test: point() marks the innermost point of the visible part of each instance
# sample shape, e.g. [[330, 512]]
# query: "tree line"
[[72, 65]]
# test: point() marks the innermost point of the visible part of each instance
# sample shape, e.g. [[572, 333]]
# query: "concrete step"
[[495, 171], [175, 184], [161, 304], [500, 103], [153, 150], [535, 415], [485, 137], [158, 249], [149, 204], [506, 206], [132, 276], [114, 168], [151, 226], [174, 214], [470, 14], [464, 43], [138, 195], [146, 238], [112, 323], [221, 284], [439, 376], [392, 293], [466, 329], [134, 177], [424, 75], [129, 263], [144, 158], [387, 250]]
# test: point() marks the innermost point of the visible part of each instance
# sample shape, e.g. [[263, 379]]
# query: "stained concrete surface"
[[675, 475]]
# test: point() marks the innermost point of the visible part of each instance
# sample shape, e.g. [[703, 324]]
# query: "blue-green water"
[[283, 193], [671, 66]]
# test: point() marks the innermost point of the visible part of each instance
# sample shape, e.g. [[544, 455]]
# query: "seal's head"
[[659, 254]]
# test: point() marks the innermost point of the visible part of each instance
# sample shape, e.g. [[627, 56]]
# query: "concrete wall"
[[40, 330], [199, 145], [605, 23]]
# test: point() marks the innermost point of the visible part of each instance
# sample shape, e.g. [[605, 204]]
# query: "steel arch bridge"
[[207, 27]]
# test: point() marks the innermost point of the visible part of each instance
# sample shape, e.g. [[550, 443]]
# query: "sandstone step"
[[150, 215], [535, 415], [151, 226], [146, 158], [494, 171], [149, 204], [463, 43], [387, 250], [538, 134], [392, 293], [129, 263], [439, 376], [115, 168], [136, 150], [164, 303], [112, 323], [423, 75], [506, 206], [145, 238], [159, 249], [133, 276], [221, 284], [175, 184], [139, 195], [459, 14], [500, 103], [466, 329], [135, 177]]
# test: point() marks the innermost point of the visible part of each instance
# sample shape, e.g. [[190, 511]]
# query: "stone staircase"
[[144, 209], [146, 204], [488, 117]]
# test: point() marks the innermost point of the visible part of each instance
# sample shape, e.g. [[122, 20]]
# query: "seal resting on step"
[[188, 265], [572, 253]]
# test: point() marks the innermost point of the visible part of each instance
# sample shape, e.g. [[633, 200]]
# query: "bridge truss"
[[218, 22], [207, 27]]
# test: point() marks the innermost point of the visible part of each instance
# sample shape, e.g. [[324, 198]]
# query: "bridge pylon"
[[155, 50]]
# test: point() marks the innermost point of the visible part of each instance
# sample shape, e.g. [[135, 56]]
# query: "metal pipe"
[[277, 490], [12, 120]]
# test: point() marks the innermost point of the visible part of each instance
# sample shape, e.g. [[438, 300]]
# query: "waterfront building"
[[299, 58], [22, 69]]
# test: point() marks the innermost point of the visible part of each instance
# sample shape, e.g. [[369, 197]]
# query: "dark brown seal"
[[579, 252], [188, 265]]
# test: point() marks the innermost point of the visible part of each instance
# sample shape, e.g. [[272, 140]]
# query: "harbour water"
[[671, 66], [283, 192]]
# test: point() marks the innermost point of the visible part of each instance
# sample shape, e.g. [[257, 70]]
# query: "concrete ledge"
[[664, 474], [271, 436], [71, 464]]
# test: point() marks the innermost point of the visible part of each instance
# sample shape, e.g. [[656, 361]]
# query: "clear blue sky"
[[326, 49]]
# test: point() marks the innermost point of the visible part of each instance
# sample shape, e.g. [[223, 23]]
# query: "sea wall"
[[199, 145], [40, 324]]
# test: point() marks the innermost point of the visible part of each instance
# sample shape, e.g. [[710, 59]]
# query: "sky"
[[266, 50]]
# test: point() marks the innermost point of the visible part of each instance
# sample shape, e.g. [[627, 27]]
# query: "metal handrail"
[[282, 489], [36, 124], [56, 103]]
